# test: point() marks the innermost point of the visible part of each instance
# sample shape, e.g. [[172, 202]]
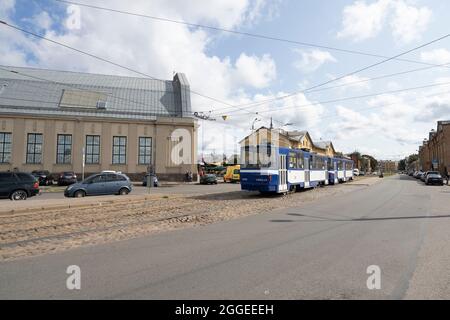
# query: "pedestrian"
[[447, 174]]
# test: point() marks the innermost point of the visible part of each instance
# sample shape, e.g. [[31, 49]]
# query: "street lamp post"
[[253, 124]]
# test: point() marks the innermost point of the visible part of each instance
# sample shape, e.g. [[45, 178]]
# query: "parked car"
[[434, 178], [155, 182], [208, 179], [355, 172], [67, 178], [362, 173], [100, 184], [44, 177], [425, 174], [18, 185]]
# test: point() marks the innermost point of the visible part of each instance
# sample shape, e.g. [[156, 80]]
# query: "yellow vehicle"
[[232, 174]]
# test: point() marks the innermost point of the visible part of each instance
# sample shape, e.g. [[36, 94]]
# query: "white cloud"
[[42, 20], [254, 71], [312, 60], [154, 48], [6, 7], [363, 21], [409, 22], [436, 56]]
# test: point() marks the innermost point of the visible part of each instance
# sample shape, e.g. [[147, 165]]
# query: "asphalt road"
[[320, 250]]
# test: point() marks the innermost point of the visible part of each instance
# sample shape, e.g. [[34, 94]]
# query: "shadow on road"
[[238, 195], [318, 218]]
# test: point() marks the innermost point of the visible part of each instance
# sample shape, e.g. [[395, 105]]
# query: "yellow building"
[[289, 139]]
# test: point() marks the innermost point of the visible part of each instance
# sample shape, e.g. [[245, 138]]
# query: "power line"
[[108, 61], [353, 72], [267, 38], [386, 105], [102, 59], [351, 98], [242, 33], [211, 98], [346, 84]]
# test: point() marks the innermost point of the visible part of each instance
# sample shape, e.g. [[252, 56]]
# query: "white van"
[[355, 172]]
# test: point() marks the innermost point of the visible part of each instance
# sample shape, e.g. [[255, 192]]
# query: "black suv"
[[44, 177], [18, 185]]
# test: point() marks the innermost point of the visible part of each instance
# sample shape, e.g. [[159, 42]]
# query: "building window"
[[64, 148], [5, 147], [34, 148], [119, 150], [92, 149], [145, 150]]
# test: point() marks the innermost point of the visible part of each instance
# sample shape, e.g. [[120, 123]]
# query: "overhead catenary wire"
[[106, 60], [387, 105], [351, 73], [351, 98], [102, 59], [253, 113], [237, 32], [223, 110], [268, 38]]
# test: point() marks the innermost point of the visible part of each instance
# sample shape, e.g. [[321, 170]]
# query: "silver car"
[[100, 184]]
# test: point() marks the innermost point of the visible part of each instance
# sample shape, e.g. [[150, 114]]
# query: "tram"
[[280, 170]]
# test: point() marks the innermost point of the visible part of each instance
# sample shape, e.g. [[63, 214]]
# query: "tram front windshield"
[[256, 157]]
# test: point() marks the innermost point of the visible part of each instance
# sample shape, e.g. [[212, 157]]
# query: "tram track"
[[62, 229]]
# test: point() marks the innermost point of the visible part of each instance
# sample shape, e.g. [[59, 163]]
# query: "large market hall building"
[[48, 118]]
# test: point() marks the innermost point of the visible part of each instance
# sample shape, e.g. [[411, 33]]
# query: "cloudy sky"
[[246, 75]]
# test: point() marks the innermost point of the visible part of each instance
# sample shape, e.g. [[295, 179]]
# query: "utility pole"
[[83, 164]]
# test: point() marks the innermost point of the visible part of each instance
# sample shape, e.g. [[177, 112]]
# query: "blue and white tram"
[[287, 169]]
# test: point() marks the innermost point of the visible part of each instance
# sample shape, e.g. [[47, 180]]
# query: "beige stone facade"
[[127, 124], [160, 132], [434, 153]]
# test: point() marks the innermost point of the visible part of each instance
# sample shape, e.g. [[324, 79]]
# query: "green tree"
[[402, 165], [373, 162], [411, 158]]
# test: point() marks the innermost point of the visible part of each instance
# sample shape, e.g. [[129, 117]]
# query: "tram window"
[[330, 164], [321, 164], [340, 165], [300, 160], [293, 160]]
